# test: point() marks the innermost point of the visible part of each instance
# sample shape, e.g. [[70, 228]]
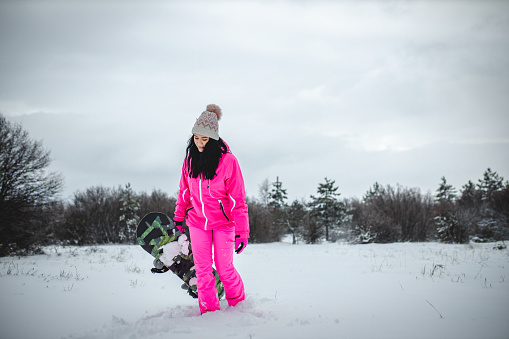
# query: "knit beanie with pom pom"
[[206, 124]]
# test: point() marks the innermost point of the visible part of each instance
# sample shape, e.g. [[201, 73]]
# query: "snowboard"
[[172, 251]]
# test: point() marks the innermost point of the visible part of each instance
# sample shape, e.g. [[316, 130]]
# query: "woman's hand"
[[178, 225], [240, 244]]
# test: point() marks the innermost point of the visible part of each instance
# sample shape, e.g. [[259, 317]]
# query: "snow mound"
[[187, 322]]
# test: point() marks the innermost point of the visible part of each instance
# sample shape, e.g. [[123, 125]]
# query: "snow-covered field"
[[405, 290]]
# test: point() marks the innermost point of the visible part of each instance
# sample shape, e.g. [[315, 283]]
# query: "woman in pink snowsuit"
[[212, 200]]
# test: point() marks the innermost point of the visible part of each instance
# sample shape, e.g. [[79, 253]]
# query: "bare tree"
[[264, 192], [93, 217], [157, 201], [26, 188], [262, 224], [261, 228], [391, 214]]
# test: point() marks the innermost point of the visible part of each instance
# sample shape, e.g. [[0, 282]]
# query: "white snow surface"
[[403, 290]]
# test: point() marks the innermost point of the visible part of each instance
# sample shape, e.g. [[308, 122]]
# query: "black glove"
[[178, 225], [240, 244]]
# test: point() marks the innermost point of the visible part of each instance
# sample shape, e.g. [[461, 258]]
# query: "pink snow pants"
[[223, 241]]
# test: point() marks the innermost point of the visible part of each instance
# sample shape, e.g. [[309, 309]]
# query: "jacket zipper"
[[222, 209], [203, 206]]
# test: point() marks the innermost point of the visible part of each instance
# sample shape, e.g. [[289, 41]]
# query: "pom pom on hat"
[[206, 124], [215, 109]]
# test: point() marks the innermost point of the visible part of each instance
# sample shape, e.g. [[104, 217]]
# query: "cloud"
[[356, 91]]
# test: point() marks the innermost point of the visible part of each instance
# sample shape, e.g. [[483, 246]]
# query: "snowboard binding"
[[159, 267]]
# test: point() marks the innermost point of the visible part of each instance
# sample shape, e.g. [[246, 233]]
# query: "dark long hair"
[[204, 163]]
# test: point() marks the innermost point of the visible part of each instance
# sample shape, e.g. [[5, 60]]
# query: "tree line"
[[479, 212], [31, 215]]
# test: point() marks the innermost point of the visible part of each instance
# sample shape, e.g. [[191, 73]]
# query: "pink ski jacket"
[[219, 202]]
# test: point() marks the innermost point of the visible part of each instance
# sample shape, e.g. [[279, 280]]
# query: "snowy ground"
[[406, 290]]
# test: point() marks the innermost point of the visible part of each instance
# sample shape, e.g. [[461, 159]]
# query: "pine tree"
[[493, 223], [373, 193], [470, 196], [296, 219], [278, 196], [491, 183], [445, 193], [469, 189], [277, 202], [449, 229], [130, 205], [326, 208]]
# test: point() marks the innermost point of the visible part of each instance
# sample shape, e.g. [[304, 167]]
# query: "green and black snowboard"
[[172, 251]]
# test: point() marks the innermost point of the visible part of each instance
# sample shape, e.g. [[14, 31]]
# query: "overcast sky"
[[395, 92]]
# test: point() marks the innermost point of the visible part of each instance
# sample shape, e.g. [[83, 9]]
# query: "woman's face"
[[200, 141]]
